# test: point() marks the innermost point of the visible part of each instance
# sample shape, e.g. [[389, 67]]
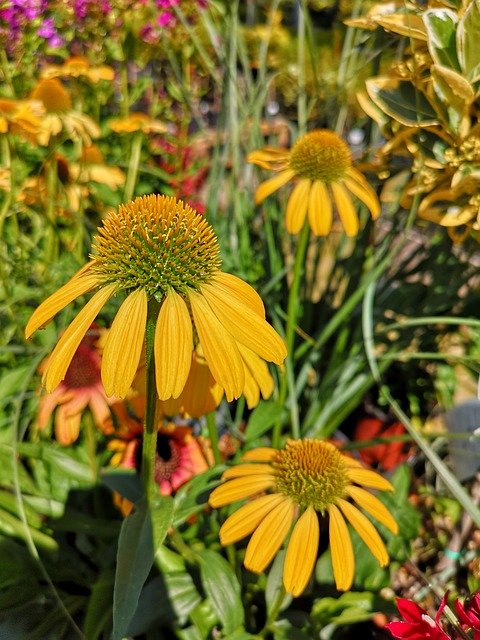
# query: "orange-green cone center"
[[156, 243], [311, 472], [53, 95], [321, 155]]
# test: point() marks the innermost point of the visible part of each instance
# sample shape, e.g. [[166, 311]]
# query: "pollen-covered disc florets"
[[311, 472], [156, 243], [321, 155]]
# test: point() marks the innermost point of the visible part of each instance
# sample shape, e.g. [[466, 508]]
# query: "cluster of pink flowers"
[[418, 625], [166, 18], [20, 16]]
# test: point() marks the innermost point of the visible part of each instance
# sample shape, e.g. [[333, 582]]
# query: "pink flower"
[[469, 613], [417, 624]]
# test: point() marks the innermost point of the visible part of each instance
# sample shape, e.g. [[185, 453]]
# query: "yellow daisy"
[[320, 163], [292, 485], [166, 258]]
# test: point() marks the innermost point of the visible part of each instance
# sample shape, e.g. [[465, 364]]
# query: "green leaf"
[[124, 482], [161, 513], [467, 41], [204, 618], [262, 418], [134, 561], [401, 101], [99, 607], [275, 583], [222, 588], [441, 27]]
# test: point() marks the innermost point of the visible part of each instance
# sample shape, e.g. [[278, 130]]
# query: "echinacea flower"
[[320, 164], [81, 388], [305, 478], [137, 121], [21, 117], [166, 258], [469, 613], [79, 67], [417, 624]]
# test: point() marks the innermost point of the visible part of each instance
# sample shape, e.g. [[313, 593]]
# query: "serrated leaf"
[[262, 418], [441, 27], [222, 588], [400, 100]]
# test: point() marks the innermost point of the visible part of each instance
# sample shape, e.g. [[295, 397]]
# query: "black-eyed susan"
[[162, 253], [320, 163], [293, 485]]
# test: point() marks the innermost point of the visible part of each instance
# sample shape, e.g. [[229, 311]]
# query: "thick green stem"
[[134, 163], [150, 425], [292, 314], [51, 240]]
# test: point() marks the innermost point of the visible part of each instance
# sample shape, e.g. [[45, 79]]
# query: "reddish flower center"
[[167, 458], [84, 370]]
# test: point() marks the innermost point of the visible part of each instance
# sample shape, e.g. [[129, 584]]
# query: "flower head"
[[320, 162], [165, 257], [417, 624], [469, 613], [305, 478], [386, 455], [81, 388]]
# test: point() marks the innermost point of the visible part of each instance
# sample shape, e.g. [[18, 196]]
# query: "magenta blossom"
[[417, 624], [469, 613]]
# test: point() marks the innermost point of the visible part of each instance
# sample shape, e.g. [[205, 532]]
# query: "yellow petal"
[[258, 368], [247, 518], [297, 207], [269, 186], [301, 553], [123, 345], [79, 284], [240, 488], [366, 194], [268, 537], [64, 351], [236, 287], [320, 213], [173, 346], [343, 560], [260, 454], [219, 347], [365, 530], [369, 479], [240, 470], [373, 506], [269, 157], [245, 326], [345, 209], [251, 392]]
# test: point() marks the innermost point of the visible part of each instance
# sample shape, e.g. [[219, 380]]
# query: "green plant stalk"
[[274, 611], [7, 164], [213, 435], [7, 76], [150, 425], [125, 96], [302, 96], [292, 313], [51, 240], [133, 165]]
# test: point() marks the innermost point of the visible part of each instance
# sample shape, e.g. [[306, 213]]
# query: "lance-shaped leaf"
[[401, 101]]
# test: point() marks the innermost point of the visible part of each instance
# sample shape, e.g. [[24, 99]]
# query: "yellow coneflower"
[[159, 251], [137, 121], [303, 479], [79, 67], [321, 164], [21, 117]]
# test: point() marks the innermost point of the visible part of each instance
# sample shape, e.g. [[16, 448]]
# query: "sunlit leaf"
[[401, 101], [441, 26]]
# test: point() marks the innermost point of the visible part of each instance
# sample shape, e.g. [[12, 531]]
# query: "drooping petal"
[[68, 343], [410, 610], [269, 158], [240, 470], [373, 506], [345, 209], [173, 346], [365, 530], [343, 560], [251, 392], [368, 197], [240, 488], [236, 287], [123, 345], [258, 369], [260, 454], [301, 553], [67, 426], [245, 326], [370, 479], [80, 283], [268, 537], [297, 205], [219, 347], [269, 186], [320, 211], [246, 519]]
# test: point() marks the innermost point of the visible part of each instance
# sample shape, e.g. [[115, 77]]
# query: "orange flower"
[[387, 455]]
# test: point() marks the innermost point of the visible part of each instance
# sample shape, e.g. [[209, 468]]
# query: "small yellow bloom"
[[320, 163], [305, 478], [79, 67], [164, 256], [137, 121]]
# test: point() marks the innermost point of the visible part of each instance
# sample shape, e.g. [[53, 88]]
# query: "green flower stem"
[[302, 95], [292, 313], [274, 611], [150, 425], [51, 240], [213, 435], [133, 164]]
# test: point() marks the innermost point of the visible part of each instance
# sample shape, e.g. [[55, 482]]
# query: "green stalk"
[[302, 96], [150, 424], [213, 435], [292, 314], [133, 164], [51, 240]]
